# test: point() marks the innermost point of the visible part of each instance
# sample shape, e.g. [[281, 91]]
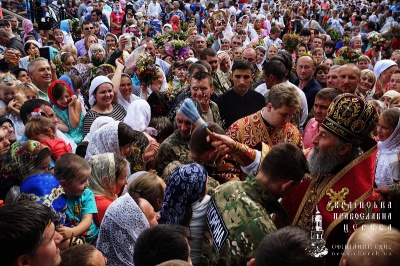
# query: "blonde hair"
[[366, 246], [149, 186], [26, 86], [39, 125], [370, 74], [8, 80], [364, 58], [69, 48], [394, 99]]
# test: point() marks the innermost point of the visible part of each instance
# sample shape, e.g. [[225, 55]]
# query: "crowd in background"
[[301, 100]]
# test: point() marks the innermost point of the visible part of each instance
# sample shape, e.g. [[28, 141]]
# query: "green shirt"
[[245, 207]]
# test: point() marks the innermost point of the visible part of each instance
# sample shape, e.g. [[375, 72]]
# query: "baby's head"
[[8, 87], [73, 172], [40, 128]]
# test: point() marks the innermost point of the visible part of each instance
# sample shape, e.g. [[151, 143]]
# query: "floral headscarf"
[[185, 186], [47, 190], [51, 92], [82, 71], [22, 158], [103, 166]]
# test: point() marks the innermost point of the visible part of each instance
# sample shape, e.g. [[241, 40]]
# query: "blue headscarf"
[[64, 25], [68, 80], [47, 190], [185, 186]]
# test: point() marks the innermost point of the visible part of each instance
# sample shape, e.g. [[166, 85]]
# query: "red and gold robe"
[[252, 131], [346, 192]]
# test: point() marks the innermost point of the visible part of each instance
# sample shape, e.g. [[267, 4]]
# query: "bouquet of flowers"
[[145, 68], [334, 34], [105, 68], [59, 69], [291, 41], [347, 55], [33, 55], [177, 48], [376, 41], [133, 31], [98, 58]]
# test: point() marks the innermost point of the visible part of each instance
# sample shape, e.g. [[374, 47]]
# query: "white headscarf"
[[387, 154], [96, 82], [138, 116], [97, 123], [382, 65], [104, 140], [119, 230]]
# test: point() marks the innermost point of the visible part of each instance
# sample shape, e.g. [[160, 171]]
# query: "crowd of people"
[[297, 163]]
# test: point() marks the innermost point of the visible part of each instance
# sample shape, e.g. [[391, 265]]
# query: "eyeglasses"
[[90, 28]]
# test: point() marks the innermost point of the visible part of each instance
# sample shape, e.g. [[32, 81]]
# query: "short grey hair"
[[31, 66]]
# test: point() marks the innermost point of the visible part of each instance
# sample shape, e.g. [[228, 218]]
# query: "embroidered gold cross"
[[337, 199]]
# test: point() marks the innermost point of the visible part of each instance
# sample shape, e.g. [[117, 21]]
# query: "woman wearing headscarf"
[[97, 123], [117, 137], [125, 219], [186, 203], [66, 28], [45, 189], [83, 72], [107, 180], [31, 48], [175, 22], [24, 158], [383, 70], [138, 118], [116, 17], [27, 25], [101, 95]]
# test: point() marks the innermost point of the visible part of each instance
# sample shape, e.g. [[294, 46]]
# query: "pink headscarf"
[[27, 26], [174, 21]]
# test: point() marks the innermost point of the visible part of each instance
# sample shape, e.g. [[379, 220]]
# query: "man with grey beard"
[[342, 167]]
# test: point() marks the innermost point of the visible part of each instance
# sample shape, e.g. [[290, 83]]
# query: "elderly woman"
[[186, 203], [107, 180], [366, 86], [224, 61], [101, 95], [383, 70]]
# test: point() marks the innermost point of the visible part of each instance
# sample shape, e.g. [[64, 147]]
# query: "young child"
[[356, 43], [42, 129], [68, 109], [29, 90], [74, 172], [11, 101], [59, 39], [273, 38]]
